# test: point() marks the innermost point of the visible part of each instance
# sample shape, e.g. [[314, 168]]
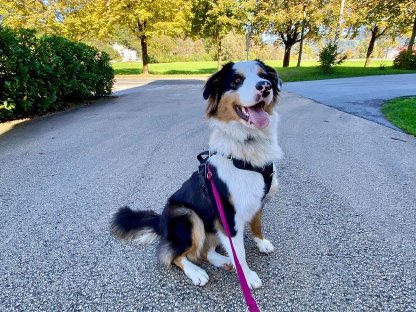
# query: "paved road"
[[360, 96], [343, 225]]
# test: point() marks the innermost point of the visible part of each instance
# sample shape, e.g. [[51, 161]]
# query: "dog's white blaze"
[[247, 92]]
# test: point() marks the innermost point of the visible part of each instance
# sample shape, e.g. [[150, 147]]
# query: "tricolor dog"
[[243, 149]]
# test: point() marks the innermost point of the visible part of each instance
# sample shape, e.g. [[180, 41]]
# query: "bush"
[[42, 74], [405, 60], [329, 57]]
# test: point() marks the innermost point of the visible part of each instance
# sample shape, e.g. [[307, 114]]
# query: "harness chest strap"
[[267, 171]]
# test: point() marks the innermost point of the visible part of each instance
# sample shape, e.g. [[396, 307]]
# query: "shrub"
[[329, 57], [16, 64], [405, 60], [42, 74]]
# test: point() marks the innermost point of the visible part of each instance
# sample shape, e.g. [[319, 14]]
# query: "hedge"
[[405, 60], [39, 74]]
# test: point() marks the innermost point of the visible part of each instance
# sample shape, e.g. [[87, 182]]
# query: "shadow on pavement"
[[128, 86], [133, 86]]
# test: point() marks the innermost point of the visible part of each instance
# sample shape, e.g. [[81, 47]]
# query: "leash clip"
[[209, 173]]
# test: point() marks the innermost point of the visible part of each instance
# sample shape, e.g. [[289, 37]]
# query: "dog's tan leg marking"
[[197, 234], [198, 237], [211, 241], [213, 257], [255, 224], [178, 261], [263, 244], [198, 276]]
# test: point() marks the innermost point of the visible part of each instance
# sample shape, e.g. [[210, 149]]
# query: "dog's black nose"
[[263, 85]]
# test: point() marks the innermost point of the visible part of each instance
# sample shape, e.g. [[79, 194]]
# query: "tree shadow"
[[139, 71], [34, 125], [128, 71], [187, 72]]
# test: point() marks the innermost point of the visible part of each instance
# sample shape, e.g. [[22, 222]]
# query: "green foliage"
[[73, 19], [405, 60], [213, 20], [41, 74], [329, 57], [165, 49]]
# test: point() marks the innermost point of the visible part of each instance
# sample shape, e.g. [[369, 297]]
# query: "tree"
[[412, 37], [145, 19], [71, 18], [286, 18], [215, 19], [377, 16], [406, 23]]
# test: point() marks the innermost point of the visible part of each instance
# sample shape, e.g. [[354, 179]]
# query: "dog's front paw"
[[253, 279], [264, 245]]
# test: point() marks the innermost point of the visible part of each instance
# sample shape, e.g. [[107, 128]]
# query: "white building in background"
[[391, 53], [125, 53]]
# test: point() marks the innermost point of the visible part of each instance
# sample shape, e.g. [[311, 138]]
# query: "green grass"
[[308, 71], [402, 113]]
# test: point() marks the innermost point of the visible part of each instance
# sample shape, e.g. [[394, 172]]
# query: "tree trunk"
[[145, 56], [302, 35], [141, 27], [286, 58], [412, 37], [219, 52], [339, 23], [371, 46]]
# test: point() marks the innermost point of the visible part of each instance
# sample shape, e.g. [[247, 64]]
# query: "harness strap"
[[267, 171]]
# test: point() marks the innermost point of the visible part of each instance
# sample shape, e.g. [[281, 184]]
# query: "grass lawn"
[[402, 113], [308, 71]]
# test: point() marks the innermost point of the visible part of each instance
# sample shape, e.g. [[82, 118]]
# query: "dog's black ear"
[[276, 81], [215, 87]]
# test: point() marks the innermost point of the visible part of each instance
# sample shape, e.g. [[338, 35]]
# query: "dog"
[[243, 150]]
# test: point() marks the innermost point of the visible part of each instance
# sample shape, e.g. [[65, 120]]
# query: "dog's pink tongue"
[[258, 117]]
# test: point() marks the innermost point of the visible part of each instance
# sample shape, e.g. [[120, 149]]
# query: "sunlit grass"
[[308, 71], [402, 113]]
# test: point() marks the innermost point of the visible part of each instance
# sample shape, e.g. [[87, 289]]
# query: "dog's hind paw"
[[218, 260], [264, 245], [198, 276]]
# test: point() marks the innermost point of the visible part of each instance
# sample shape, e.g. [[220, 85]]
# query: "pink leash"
[[250, 301]]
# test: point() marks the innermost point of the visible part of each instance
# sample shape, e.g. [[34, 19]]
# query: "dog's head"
[[244, 92]]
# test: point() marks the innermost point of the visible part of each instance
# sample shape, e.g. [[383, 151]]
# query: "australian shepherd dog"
[[243, 150]]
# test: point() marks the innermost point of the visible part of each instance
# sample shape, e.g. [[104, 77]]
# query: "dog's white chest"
[[246, 187]]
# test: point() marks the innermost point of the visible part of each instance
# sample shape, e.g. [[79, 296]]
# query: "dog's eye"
[[237, 80], [263, 76]]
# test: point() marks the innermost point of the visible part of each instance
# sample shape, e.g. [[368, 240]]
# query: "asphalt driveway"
[[343, 224], [360, 96]]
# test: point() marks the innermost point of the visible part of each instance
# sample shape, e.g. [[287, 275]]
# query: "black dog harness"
[[266, 172]]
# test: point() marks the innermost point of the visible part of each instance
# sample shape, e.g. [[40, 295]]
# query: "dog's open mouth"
[[254, 115]]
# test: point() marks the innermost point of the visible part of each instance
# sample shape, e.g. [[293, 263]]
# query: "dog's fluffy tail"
[[141, 226]]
